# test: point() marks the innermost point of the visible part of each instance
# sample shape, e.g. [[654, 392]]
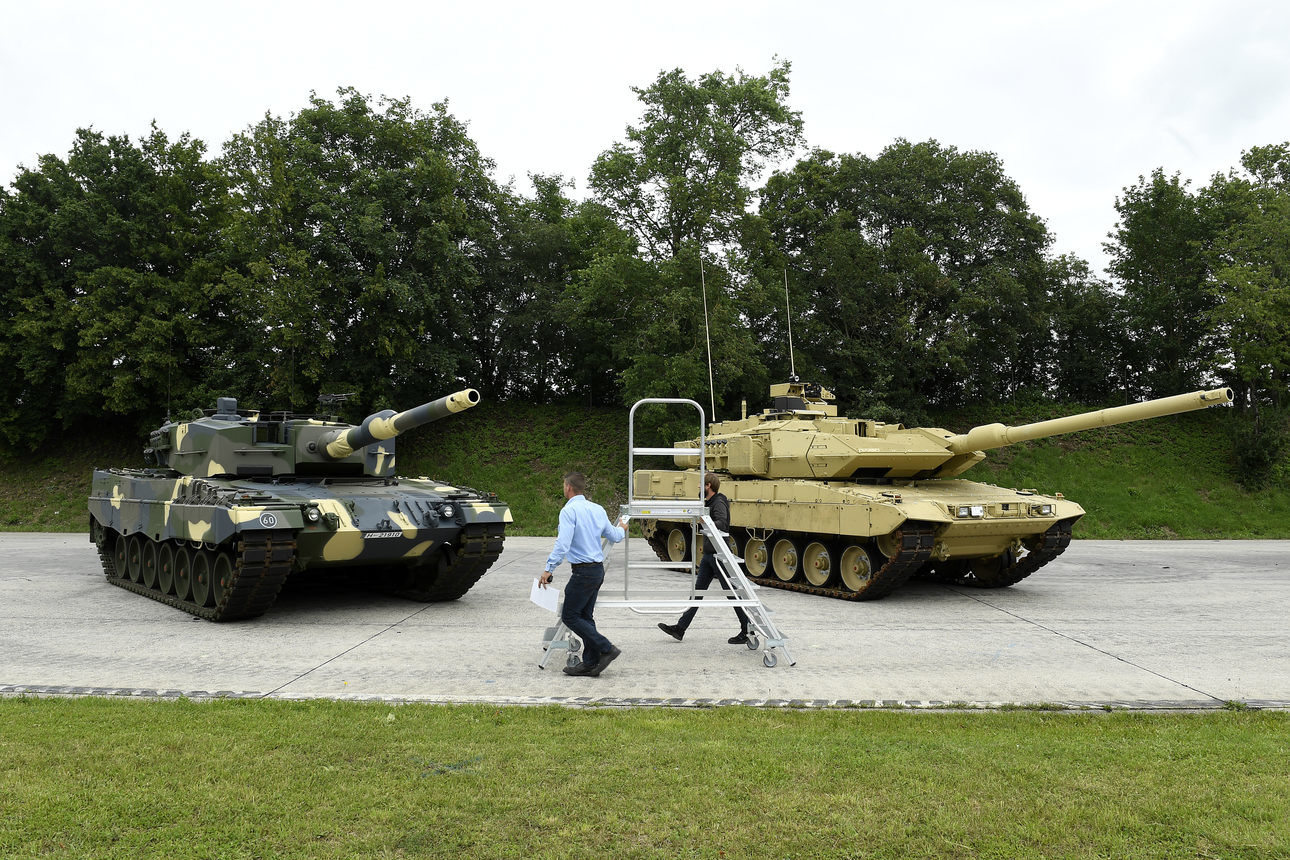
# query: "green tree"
[[536, 341], [1088, 332], [681, 184], [1250, 261], [918, 277], [684, 174], [108, 257], [1160, 258], [357, 252]]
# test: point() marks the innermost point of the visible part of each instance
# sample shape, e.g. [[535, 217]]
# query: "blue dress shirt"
[[582, 525]]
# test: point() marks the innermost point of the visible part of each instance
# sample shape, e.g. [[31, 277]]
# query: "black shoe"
[[676, 631], [604, 661], [583, 668], [740, 639]]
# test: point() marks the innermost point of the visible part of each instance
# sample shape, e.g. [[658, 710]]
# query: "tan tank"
[[853, 508]]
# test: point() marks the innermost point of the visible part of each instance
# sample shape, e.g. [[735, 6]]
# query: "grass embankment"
[[231, 779], [1167, 478]]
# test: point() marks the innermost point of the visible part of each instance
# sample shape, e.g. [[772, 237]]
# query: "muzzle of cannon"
[[340, 443]]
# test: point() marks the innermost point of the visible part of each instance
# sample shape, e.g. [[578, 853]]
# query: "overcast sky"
[[1077, 98]]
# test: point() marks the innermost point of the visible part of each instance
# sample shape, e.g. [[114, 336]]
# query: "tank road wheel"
[[678, 544], [817, 564], [221, 577], [120, 555], [150, 549], [733, 542], [855, 569], [183, 585], [786, 559], [134, 557], [889, 544], [166, 568], [201, 578], [756, 556]]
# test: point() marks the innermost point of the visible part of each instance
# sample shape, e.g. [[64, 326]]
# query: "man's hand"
[[544, 579]]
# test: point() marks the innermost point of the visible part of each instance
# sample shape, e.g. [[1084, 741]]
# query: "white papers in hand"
[[548, 598]]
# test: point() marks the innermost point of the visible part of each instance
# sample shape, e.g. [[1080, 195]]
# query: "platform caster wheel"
[[769, 660], [572, 660], [753, 643], [575, 644]]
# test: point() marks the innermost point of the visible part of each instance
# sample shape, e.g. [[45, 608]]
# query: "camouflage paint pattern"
[[359, 520], [246, 498]]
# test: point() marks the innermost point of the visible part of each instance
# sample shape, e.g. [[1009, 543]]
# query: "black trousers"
[[708, 571]]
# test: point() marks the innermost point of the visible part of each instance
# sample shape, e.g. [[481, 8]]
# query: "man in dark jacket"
[[719, 509]]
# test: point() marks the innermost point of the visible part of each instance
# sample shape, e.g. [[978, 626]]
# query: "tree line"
[[363, 245]]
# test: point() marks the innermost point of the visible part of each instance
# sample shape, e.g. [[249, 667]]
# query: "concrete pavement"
[[1141, 624]]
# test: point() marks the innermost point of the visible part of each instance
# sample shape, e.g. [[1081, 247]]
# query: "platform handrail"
[[738, 590]]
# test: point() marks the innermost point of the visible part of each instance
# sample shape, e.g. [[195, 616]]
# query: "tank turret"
[[801, 436], [253, 444], [852, 507]]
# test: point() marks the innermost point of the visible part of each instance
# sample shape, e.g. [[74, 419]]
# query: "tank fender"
[[473, 511], [886, 518]]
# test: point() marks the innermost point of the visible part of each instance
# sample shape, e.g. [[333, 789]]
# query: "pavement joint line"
[[1203, 705], [1084, 644], [336, 656]]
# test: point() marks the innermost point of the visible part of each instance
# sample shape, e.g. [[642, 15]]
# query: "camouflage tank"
[[235, 501], [852, 508]]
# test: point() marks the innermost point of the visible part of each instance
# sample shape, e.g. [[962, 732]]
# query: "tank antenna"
[[707, 338], [788, 312]]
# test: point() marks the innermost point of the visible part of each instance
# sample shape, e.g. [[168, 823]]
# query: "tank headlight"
[[1042, 510], [313, 514], [446, 511], [975, 512]]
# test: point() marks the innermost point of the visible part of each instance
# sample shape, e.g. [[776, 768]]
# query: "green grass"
[[521, 452], [1167, 478], [231, 779], [47, 490]]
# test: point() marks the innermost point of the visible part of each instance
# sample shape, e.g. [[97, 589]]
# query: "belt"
[[586, 564]]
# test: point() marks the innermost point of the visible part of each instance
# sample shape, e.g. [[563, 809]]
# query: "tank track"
[[261, 564], [916, 542], [481, 544], [1052, 544]]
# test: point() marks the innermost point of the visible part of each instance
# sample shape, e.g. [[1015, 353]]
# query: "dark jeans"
[[708, 571], [579, 604]]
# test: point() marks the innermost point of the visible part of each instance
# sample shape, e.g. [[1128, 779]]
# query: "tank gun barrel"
[[338, 444], [989, 436]]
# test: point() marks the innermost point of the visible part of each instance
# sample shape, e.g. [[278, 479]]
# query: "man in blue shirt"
[[582, 525]]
